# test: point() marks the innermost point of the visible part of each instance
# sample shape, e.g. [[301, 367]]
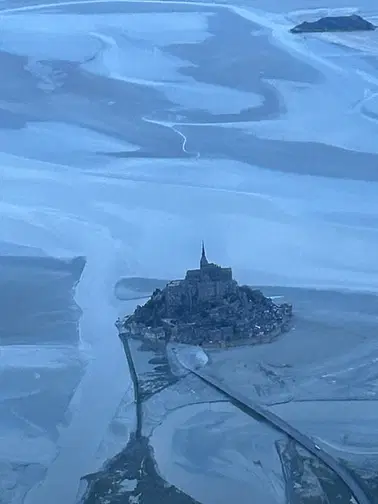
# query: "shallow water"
[[131, 131]]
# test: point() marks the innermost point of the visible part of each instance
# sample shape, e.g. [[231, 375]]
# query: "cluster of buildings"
[[208, 307]]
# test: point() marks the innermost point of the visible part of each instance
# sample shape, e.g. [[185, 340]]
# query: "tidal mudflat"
[[129, 131], [193, 446], [320, 377], [41, 365]]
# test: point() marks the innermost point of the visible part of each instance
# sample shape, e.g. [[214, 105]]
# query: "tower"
[[204, 262]]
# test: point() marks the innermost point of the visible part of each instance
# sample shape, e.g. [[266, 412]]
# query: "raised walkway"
[[256, 410]]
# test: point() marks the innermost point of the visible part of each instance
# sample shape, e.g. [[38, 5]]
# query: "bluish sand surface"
[[129, 131]]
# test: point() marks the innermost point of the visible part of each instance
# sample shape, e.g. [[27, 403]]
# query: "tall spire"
[[204, 261]]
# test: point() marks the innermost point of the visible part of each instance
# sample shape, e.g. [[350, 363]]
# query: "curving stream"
[[129, 131]]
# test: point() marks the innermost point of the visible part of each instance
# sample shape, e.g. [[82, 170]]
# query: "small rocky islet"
[[208, 307], [334, 24]]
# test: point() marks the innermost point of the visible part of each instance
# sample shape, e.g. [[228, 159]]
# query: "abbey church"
[[208, 307], [208, 283]]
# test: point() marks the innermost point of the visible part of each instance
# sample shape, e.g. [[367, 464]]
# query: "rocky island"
[[334, 24], [207, 307]]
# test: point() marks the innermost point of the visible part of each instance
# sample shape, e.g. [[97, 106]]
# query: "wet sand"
[[113, 147], [37, 302], [41, 365]]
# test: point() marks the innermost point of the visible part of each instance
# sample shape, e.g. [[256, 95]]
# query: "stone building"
[[208, 283], [208, 307]]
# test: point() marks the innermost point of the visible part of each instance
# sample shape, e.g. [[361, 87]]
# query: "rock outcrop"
[[208, 307], [335, 24]]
